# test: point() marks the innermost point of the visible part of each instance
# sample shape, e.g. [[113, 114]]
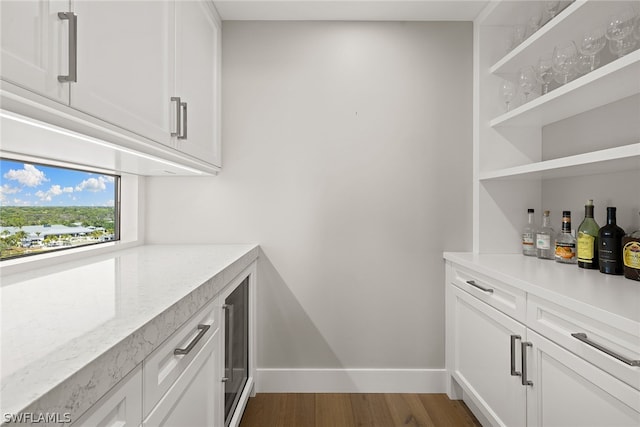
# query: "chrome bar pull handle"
[[183, 107], [203, 330], [523, 348], [482, 288], [178, 102], [514, 373], [229, 309], [73, 47], [583, 337]]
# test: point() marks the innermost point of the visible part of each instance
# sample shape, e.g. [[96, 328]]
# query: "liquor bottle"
[[565, 247], [588, 239], [544, 238], [529, 236], [631, 255], [609, 245]]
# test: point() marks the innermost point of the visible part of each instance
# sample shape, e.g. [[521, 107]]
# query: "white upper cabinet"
[[197, 65], [34, 46], [124, 56], [143, 75]]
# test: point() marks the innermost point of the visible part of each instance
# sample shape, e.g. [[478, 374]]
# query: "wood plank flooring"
[[354, 409]]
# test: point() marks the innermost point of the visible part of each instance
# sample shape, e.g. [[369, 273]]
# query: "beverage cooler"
[[236, 337]]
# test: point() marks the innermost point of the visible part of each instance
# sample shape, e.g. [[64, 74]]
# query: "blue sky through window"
[[30, 184]]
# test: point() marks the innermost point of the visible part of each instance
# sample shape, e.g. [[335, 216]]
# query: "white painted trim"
[[351, 381]]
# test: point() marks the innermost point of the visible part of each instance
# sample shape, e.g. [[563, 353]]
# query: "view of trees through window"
[[45, 208]]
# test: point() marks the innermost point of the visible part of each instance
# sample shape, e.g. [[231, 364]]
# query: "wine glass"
[[591, 44], [508, 91], [527, 81], [544, 73], [619, 27], [621, 47], [563, 61], [584, 64], [533, 23]]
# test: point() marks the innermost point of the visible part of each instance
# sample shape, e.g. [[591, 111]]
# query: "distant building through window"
[[46, 208]]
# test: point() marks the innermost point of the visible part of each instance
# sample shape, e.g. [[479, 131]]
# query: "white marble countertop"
[[71, 332], [561, 283]]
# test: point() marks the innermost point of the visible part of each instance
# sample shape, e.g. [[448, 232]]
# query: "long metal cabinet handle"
[[178, 102], [514, 373], [73, 47], [183, 107], [583, 337], [203, 330], [523, 348], [229, 349], [482, 288]]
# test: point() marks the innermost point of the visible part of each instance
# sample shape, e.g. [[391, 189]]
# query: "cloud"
[[29, 176], [7, 189], [93, 184], [55, 190]]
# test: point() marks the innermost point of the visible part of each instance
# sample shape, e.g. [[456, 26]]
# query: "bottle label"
[[527, 239], [543, 241], [586, 247], [609, 250], [631, 255], [565, 250]]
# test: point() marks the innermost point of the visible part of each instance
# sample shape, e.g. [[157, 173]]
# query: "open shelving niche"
[[511, 170]]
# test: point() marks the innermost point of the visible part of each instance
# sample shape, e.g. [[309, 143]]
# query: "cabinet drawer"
[[596, 336], [163, 367], [506, 298], [120, 407]]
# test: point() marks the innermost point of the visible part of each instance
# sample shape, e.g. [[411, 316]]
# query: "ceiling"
[[349, 10]]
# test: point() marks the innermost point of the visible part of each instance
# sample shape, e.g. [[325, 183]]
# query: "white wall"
[[347, 157]]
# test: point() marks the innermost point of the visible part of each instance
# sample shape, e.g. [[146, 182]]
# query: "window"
[[47, 208]]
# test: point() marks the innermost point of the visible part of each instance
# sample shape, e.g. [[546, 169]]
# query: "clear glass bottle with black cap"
[[529, 235], [610, 245]]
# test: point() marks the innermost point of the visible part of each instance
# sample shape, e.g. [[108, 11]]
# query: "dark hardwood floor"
[[346, 410]]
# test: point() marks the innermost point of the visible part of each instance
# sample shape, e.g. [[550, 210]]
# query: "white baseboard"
[[351, 381]]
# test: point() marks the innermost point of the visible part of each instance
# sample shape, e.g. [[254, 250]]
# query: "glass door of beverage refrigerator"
[[236, 340]]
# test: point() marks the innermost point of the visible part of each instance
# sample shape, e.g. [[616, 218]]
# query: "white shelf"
[[569, 24], [612, 82], [616, 159]]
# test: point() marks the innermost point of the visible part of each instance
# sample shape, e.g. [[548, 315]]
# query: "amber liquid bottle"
[[631, 255], [610, 245]]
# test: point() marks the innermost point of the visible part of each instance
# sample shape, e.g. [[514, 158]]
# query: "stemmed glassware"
[[591, 44], [563, 61], [527, 82], [544, 73], [622, 47], [619, 28], [508, 91]]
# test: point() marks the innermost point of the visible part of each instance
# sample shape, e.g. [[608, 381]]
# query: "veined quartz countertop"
[[71, 332], [562, 283]]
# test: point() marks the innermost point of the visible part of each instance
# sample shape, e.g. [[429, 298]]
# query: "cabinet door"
[[34, 43], [125, 75], [194, 399], [568, 391], [198, 78], [482, 358], [120, 407]]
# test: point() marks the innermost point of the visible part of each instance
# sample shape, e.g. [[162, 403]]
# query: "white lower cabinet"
[[120, 407], [194, 399], [568, 391], [482, 338], [513, 376]]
